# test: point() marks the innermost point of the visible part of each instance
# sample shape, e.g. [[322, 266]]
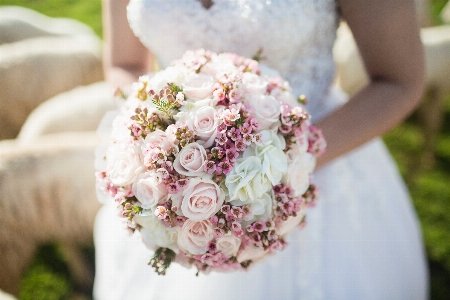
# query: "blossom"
[[228, 245], [299, 171], [219, 65], [203, 122], [201, 199], [158, 139], [253, 84], [245, 181], [273, 158], [124, 164], [266, 110], [149, 191], [198, 86], [191, 160], [155, 234], [195, 236]]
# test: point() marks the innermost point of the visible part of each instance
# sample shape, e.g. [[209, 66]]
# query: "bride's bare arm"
[[125, 58], [387, 35]]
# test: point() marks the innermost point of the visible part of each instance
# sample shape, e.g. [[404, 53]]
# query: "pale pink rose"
[[253, 84], [204, 122], [158, 139], [149, 191], [194, 236], [266, 109], [286, 227], [124, 164], [229, 245], [251, 252], [201, 199], [191, 160], [198, 86], [218, 66]]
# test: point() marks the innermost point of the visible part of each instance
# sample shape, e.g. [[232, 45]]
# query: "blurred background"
[[46, 132]]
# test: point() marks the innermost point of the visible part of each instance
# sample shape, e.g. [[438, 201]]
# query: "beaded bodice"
[[296, 36]]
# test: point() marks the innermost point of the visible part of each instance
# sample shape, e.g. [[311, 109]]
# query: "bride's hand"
[[125, 58], [387, 35]]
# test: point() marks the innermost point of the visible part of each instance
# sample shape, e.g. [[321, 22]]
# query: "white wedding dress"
[[362, 240]]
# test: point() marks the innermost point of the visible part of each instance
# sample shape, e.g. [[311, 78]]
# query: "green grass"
[[86, 11], [48, 277]]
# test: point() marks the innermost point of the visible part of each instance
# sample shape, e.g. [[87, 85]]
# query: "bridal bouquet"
[[211, 162]]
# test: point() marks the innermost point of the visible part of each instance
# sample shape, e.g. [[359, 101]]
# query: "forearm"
[[125, 58], [372, 112]]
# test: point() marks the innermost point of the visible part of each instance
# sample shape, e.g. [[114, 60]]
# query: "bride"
[[362, 240]]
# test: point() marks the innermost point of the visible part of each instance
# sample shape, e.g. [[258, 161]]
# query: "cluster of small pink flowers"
[[294, 124], [228, 219], [265, 235], [286, 205], [208, 176], [316, 141], [144, 123], [167, 214], [234, 135]]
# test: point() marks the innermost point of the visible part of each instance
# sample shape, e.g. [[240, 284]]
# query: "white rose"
[[253, 84], [149, 191], [266, 109], [246, 182], [155, 234], [173, 74], [201, 199], [204, 122], [251, 252], [120, 132], [124, 164], [301, 165], [219, 65], [198, 86], [229, 245], [270, 151], [194, 236], [283, 96], [191, 160]]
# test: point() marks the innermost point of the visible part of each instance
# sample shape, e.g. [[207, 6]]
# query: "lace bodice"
[[295, 36]]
